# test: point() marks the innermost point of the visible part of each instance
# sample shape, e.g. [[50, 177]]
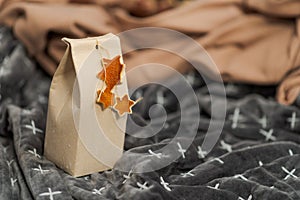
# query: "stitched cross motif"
[[99, 192], [33, 128], [158, 155], [226, 146], [218, 160], [142, 186], [9, 162], [291, 152], [289, 173], [249, 198], [293, 120], [39, 169], [235, 118], [181, 150], [164, 184], [201, 153], [50, 193], [127, 176], [13, 181], [268, 134], [241, 177], [187, 174], [263, 121], [34, 153], [216, 187]]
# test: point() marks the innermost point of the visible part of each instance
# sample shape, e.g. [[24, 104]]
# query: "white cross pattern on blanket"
[[189, 173], [39, 169], [201, 153], [142, 186], [289, 173], [13, 181], [181, 150], [241, 177], [158, 155], [34, 152], [218, 160], [99, 192], [235, 118], [293, 120], [249, 198], [164, 184], [50, 193], [267, 134], [225, 146], [127, 176], [9, 162], [216, 187], [263, 121], [291, 152], [33, 128]]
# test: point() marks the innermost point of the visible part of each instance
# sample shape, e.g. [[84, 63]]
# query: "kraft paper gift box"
[[81, 136]]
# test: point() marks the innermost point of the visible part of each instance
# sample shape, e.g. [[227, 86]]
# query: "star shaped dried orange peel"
[[106, 98], [124, 105], [111, 74]]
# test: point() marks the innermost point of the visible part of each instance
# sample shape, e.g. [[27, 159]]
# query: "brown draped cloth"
[[251, 41]]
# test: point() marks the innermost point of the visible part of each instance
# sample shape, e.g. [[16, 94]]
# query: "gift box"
[[83, 134]]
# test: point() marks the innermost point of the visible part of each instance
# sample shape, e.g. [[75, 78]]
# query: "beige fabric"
[[252, 41]]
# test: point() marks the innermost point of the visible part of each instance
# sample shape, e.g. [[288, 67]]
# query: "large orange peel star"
[[112, 72], [124, 105]]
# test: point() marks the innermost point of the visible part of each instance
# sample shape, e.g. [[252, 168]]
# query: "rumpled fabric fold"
[[251, 41]]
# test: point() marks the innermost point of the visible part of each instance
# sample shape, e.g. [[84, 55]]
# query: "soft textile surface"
[[251, 41], [244, 164]]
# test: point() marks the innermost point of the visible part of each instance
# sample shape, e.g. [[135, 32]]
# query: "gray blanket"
[[256, 157]]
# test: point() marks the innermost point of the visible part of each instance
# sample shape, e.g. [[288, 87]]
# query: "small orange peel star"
[[124, 105], [106, 98]]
